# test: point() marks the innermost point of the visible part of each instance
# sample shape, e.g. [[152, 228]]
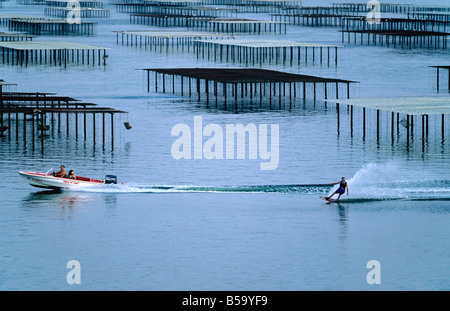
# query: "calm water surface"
[[217, 224]]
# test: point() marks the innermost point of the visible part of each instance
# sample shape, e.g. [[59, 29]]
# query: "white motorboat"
[[48, 181]]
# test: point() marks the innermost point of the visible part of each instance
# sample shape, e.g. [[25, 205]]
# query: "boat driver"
[[61, 172]]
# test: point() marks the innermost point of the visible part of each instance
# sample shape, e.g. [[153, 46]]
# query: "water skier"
[[343, 186]]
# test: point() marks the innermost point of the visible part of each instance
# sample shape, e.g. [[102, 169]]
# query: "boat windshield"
[[49, 172]]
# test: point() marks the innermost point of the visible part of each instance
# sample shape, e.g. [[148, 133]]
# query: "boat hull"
[[48, 181]]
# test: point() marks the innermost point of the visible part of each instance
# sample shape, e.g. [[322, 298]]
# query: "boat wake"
[[388, 181], [142, 188], [373, 182]]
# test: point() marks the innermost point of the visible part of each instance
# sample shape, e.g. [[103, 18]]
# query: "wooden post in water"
[[235, 95], [378, 125], [103, 130], [351, 120], [437, 84], [93, 127], [364, 123], [407, 128], [392, 126], [423, 127], [112, 130], [24, 127], [84, 126]]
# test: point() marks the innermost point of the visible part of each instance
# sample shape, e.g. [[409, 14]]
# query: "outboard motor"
[[110, 179]]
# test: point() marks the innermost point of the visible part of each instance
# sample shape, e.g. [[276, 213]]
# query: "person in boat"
[[71, 175], [61, 172], [343, 186]]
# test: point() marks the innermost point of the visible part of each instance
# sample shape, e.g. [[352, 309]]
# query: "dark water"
[[226, 224]]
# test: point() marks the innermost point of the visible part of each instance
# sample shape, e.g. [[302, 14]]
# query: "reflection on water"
[[66, 199], [343, 212]]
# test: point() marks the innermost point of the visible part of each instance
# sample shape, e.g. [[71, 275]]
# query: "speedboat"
[[48, 181]]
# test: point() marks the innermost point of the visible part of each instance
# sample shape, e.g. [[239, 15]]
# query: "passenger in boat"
[[71, 175], [61, 172]]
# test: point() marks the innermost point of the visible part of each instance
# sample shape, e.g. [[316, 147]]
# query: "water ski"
[[326, 199]]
